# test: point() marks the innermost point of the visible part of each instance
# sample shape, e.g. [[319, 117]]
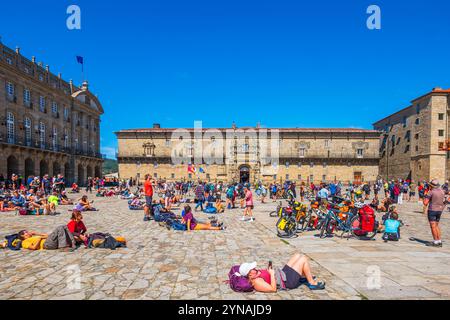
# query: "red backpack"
[[367, 218]]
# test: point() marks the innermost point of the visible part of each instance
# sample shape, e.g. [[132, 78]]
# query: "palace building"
[[415, 141], [306, 155], [47, 125]]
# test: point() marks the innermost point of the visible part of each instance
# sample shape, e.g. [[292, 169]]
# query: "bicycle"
[[348, 223]]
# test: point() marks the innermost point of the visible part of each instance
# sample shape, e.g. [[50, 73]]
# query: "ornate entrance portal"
[[244, 174]]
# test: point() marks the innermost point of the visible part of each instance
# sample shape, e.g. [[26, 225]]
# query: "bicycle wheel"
[[323, 228], [276, 213]]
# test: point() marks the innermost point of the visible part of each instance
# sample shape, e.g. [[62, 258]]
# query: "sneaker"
[[318, 286], [243, 219], [251, 219], [434, 244]]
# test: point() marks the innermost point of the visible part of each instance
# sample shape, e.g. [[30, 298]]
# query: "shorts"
[[412, 194], [249, 207], [293, 278], [148, 201], [434, 216]]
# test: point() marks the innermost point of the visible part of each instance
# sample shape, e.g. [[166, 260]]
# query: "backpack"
[[14, 243], [367, 218], [237, 282], [176, 225], [230, 193], [210, 210]]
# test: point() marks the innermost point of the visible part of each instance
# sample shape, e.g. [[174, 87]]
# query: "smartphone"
[[270, 264]]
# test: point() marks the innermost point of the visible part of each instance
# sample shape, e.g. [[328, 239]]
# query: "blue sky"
[[282, 63]]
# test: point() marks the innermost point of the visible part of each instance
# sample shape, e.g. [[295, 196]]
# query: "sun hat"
[[245, 268], [434, 183]]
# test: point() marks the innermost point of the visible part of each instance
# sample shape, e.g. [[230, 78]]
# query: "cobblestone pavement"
[[163, 264]]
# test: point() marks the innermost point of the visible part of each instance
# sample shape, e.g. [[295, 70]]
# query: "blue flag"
[[80, 60]]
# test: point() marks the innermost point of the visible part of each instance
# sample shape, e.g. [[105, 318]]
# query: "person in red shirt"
[[148, 191], [77, 228]]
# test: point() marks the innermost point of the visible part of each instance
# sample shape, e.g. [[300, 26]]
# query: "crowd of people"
[[43, 195]]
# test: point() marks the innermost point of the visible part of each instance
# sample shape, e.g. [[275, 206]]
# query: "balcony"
[[86, 153], [20, 140]]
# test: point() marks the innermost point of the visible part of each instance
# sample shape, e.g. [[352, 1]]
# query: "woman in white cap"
[[297, 271]]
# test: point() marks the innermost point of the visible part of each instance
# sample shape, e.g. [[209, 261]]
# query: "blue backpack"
[[176, 225], [210, 210]]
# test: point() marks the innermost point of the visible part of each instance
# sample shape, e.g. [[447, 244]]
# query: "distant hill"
[[110, 166]]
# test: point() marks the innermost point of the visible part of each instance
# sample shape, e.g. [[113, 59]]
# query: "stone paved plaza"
[[163, 264]]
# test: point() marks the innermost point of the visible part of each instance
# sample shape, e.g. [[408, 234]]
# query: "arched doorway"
[[12, 166], [244, 174], [98, 172], [89, 172], [81, 178], [56, 168], [29, 168], [43, 168]]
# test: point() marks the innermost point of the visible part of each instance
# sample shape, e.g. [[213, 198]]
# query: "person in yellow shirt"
[[32, 240]]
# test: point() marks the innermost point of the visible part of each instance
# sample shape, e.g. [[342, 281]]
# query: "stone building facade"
[[234, 154], [47, 125], [415, 140]]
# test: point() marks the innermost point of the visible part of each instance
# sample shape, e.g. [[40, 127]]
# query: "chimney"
[[33, 59], [47, 68], [18, 50], [437, 89], [156, 126], [59, 75], [234, 125]]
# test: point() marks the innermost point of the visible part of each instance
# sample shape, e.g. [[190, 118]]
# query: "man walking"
[[435, 200], [148, 191]]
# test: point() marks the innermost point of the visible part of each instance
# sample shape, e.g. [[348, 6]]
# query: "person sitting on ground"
[[64, 200], [17, 200], [193, 224], [297, 271], [219, 206], [84, 204], [392, 228], [78, 229], [385, 204], [53, 200], [75, 188]]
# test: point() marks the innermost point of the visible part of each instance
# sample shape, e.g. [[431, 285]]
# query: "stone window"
[[416, 136], [10, 123], [324, 178], [404, 122], [26, 97], [173, 175], [55, 108], [41, 77], [441, 116], [66, 113], [441, 133], [327, 143], [417, 121], [9, 61], [274, 177], [27, 123], [190, 175], [299, 177], [287, 177], [302, 152], [407, 149], [311, 178], [42, 135], [360, 153], [41, 103], [287, 164], [10, 89], [417, 148]]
